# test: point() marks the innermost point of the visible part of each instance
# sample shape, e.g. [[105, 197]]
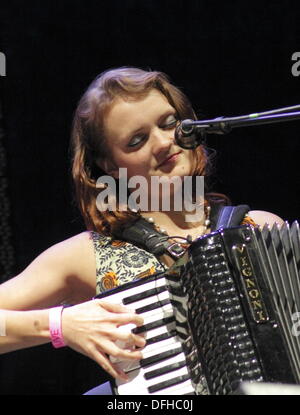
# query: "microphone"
[[185, 136], [189, 134]]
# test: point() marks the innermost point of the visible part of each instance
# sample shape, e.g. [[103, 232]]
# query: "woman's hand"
[[91, 328]]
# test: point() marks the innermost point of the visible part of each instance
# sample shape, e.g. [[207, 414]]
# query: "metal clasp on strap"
[[176, 250]]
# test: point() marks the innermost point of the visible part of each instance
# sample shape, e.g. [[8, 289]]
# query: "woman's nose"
[[163, 140]]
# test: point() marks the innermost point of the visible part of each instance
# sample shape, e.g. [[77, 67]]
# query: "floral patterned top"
[[118, 262]]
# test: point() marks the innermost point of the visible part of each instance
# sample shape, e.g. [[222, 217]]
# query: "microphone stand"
[[190, 133]]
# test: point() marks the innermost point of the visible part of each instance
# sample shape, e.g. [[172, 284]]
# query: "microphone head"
[[185, 136], [187, 127]]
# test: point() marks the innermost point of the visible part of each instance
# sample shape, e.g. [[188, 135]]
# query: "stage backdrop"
[[231, 59]]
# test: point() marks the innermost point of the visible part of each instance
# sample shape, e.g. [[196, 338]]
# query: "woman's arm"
[[21, 329], [65, 273]]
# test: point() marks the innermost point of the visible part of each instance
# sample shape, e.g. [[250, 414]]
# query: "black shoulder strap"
[[228, 216], [143, 234]]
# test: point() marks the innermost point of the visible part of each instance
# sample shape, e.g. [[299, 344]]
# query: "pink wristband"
[[55, 327]]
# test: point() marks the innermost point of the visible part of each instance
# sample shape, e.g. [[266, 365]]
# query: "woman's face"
[[140, 137]]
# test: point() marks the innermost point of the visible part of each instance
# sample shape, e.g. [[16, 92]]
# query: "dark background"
[[230, 59]]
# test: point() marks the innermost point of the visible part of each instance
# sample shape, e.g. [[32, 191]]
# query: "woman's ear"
[[109, 167]]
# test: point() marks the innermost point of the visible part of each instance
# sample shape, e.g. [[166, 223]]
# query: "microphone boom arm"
[[190, 133], [224, 125]]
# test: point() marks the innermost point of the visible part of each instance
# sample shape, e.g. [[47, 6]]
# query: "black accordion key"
[[168, 383]]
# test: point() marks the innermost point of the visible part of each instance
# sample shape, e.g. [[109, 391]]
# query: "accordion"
[[226, 315]]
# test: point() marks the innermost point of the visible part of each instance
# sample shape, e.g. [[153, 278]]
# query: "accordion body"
[[242, 286], [228, 311]]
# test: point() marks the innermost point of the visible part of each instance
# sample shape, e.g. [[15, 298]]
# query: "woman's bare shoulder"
[[261, 217], [73, 253], [77, 260], [81, 242]]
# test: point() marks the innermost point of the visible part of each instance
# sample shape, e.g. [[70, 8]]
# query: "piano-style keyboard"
[[163, 368]]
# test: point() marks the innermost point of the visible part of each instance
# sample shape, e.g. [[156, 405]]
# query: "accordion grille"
[[216, 319]]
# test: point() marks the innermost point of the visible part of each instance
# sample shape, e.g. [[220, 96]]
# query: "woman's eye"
[[170, 122], [136, 140]]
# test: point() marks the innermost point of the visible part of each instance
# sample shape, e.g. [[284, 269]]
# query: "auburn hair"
[[88, 138]]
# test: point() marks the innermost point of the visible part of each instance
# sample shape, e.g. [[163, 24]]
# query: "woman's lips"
[[171, 159]]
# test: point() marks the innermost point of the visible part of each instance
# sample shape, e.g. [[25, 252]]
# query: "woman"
[[125, 120]]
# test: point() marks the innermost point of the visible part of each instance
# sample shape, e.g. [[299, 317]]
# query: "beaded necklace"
[[188, 238]]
